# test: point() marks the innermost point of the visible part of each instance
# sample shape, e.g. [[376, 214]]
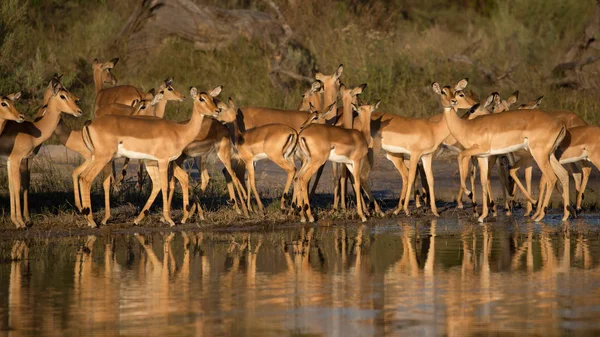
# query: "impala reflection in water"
[[416, 278]]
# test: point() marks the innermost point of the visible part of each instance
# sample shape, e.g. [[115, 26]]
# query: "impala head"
[[145, 106], [204, 103], [313, 96], [350, 96], [501, 105], [104, 70], [169, 92], [65, 101], [484, 108], [448, 94], [49, 91], [531, 104], [227, 111], [317, 117], [331, 84], [7, 108], [364, 113]]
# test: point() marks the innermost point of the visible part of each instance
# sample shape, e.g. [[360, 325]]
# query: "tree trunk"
[[210, 28]]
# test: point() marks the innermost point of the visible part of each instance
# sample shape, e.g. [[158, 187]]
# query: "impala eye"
[[202, 99], [63, 97], [4, 104], [461, 95], [170, 89]]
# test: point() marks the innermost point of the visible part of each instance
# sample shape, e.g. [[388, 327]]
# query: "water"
[[423, 278]]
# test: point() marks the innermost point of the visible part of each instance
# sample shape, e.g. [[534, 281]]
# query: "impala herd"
[[129, 123]]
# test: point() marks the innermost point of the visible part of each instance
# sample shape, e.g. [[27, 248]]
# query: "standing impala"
[[19, 140], [142, 138], [277, 142], [320, 143], [124, 94], [508, 132]]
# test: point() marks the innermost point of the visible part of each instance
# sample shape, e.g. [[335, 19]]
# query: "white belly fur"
[[394, 149], [583, 156], [123, 152], [338, 158], [259, 156], [509, 149]]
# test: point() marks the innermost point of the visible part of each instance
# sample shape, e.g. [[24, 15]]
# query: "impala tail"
[[87, 139], [290, 145]]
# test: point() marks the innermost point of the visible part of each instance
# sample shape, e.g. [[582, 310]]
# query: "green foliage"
[[397, 47]]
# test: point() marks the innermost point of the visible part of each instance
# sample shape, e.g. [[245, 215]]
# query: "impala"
[[133, 137], [313, 96], [496, 134], [277, 142], [320, 143], [19, 140], [570, 120], [581, 146], [8, 112], [124, 94]]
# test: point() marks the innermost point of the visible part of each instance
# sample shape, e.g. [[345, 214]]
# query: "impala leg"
[[252, 184], [491, 199], [95, 165], [335, 169], [25, 182], [343, 178], [233, 182], [121, 177], [586, 170], [163, 172], [473, 179], [414, 187], [14, 175], [355, 169], [483, 175], [316, 182], [412, 171], [106, 177], [305, 202], [290, 169], [398, 161], [427, 161], [463, 167], [563, 179], [503, 167], [153, 172], [76, 189], [546, 183]]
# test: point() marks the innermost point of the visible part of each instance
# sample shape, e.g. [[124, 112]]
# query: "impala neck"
[[159, 108], [347, 115], [63, 132], [365, 128], [192, 127], [234, 131], [440, 127], [98, 80], [48, 122], [456, 125]]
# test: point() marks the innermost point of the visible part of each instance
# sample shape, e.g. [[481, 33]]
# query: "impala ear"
[[231, 103], [497, 99], [358, 90], [319, 77], [215, 91], [311, 108], [114, 61], [376, 106], [512, 99], [194, 92], [461, 85], [342, 88], [436, 88], [169, 81], [315, 86], [157, 98], [95, 63], [339, 71], [491, 98], [538, 101], [15, 96], [330, 112], [354, 108], [56, 87]]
